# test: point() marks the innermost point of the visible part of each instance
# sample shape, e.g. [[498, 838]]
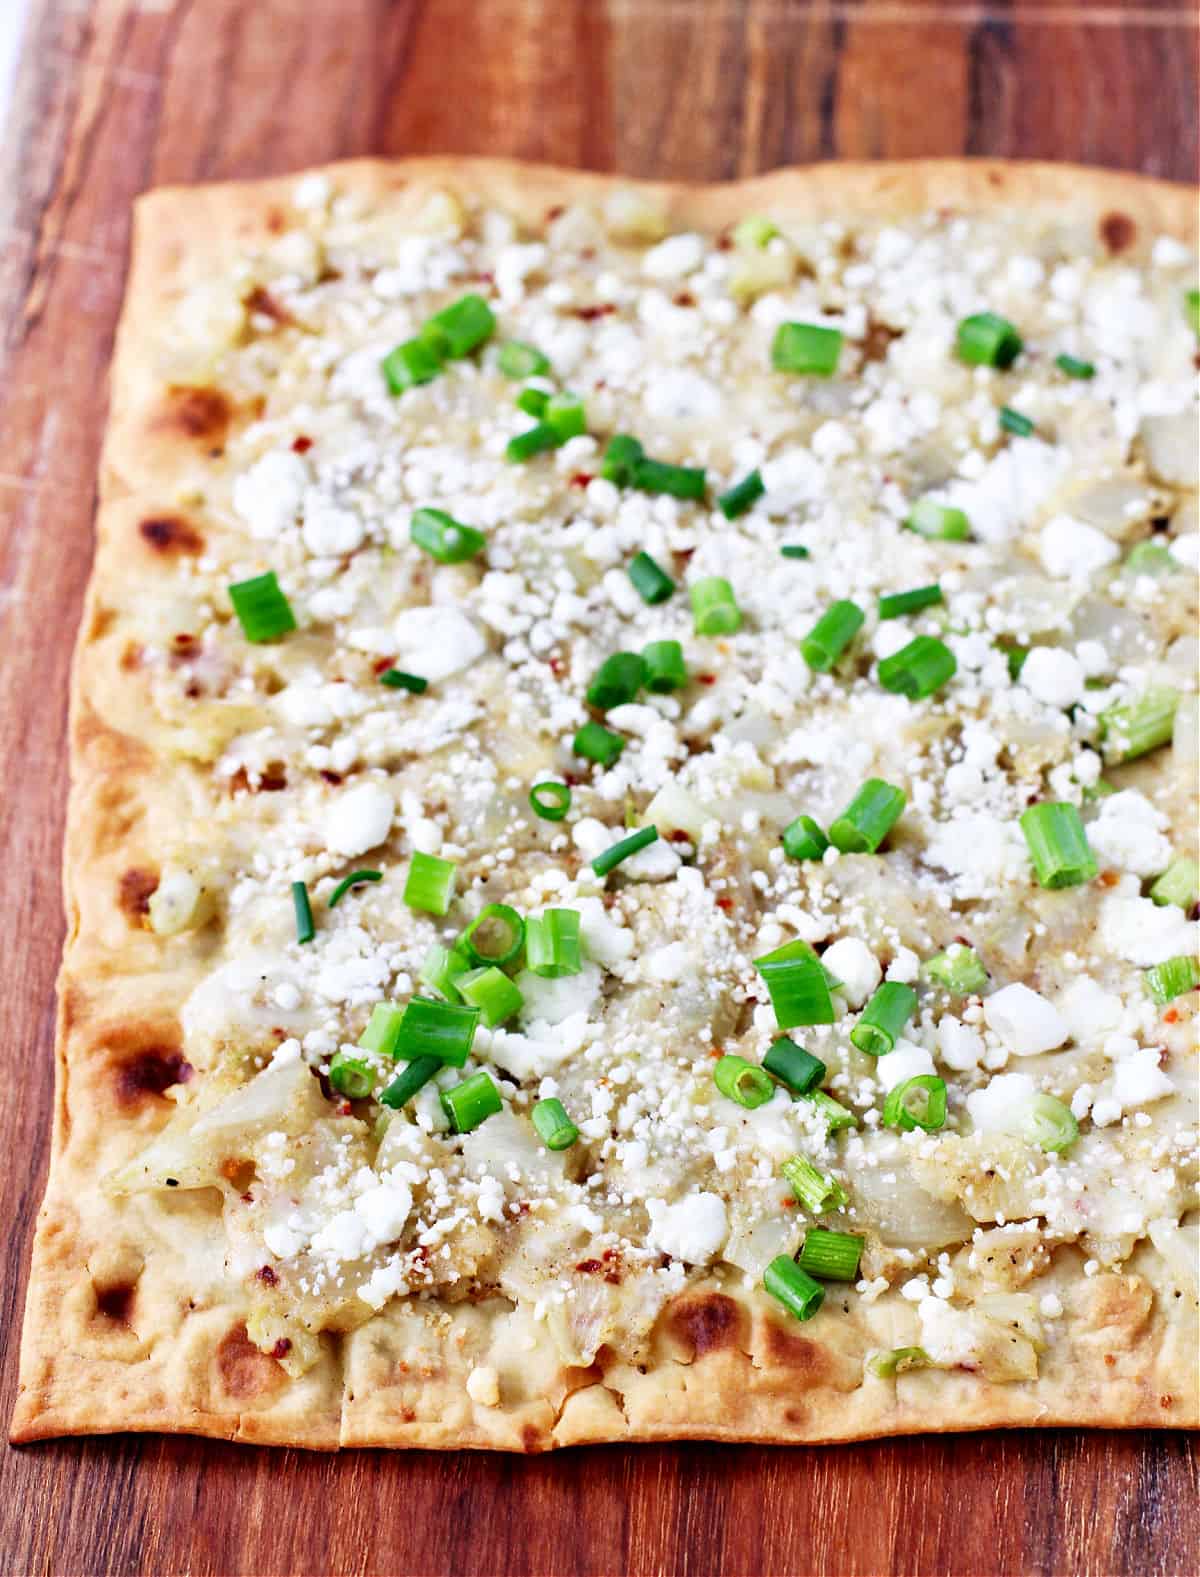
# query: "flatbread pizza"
[[631, 858]]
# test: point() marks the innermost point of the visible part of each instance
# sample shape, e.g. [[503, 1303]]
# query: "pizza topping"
[[862, 834]]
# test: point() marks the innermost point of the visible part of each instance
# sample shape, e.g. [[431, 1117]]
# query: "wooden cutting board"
[[114, 96]]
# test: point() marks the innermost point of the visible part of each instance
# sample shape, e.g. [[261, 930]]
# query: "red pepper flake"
[[724, 903], [581, 479], [684, 298], [590, 314], [554, 213], [725, 242], [382, 664], [789, 1203], [557, 666], [1109, 878], [267, 1276], [678, 835], [1171, 1016], [302, 444], [331, 777], [706, 678], [281, 1348]]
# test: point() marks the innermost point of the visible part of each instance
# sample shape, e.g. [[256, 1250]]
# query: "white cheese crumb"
[[1129, 834], [1025, 1021], [359, 819], [483, 1386], [856, 966], [1053, 676], [1072, 551], [693, 1230]]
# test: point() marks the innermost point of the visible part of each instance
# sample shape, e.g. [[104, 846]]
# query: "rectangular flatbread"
[[740, 642]]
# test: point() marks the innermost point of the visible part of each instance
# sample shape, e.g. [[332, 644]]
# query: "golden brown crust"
[[123, 1328]]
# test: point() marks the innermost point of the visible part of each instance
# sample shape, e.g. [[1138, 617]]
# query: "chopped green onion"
[[884, 1018], [1050, 1124], [617, 680], [793, 1287], [1016, 657], [798, 985], [919, 1102], [794, 550], [804, 840], [902, 602], [796, 1069], [552, 947], [835, 1114], [1191, 310], [1179, 884], [305, 929], [987, 340], [714, 607], [665, 667], [807, 349], [868, 818], [831, 634], [350, 1076], [1131, 731], [354, 879], [397, 679], [1073, 367], [1149, 558], [382, 1029], [742, 1082], [959, 969], [519, 360], [596, 743], [741, 496], [460, 328], [430, 883], [534, 440], [491, 991], [411, 363], [566, 415], [436, 1029], [263, 611], [651, 582], [1171, 979], [753, 232], [555, 1128], [533, 402], [938, 522], [833, 1256], [494, 936], [886, 1365], [1058, 845], [603, 863], [472, 1102], [411, 1078], [816, 1190], [442, 968], [550, 801], [919, 668], [1013, 422], [444, 538], [621, 454], [680, 481]]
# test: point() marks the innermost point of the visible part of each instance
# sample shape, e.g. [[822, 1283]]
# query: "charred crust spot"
[[807, 1358], [244, 1370], [135, 890], [170, 534], [131, 658], [601, 309], [267, 1276], [282, 1347], [115, 1302], [877, 339], [1117, 231], [531, 1438], [276, 221], [707, 1323], [151, 1072], [196, 413]]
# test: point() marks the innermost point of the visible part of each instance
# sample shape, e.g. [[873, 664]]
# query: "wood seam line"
[[885, 14]]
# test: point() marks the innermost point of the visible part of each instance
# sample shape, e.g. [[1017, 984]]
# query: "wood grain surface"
[[114, 96]]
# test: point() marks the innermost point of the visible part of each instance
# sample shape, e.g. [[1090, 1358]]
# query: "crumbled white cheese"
[[1024, 1020]]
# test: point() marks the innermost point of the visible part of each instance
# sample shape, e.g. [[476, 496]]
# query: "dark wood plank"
[[117, 95]]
